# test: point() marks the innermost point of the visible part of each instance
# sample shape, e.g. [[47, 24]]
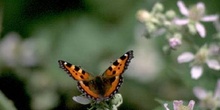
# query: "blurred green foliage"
[[6, 104], [91, 34]]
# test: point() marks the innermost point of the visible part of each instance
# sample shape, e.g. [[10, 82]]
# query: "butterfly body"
[[101, 87]]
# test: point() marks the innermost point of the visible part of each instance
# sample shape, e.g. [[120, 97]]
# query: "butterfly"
[[102, 87]]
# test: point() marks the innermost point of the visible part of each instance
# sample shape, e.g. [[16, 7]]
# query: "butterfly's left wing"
[[74, 71], [84, 79], [112, 76]]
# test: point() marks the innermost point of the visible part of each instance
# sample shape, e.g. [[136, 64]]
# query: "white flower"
[[196, 70], [195, 15], [178, 105], [175, 41], [207, 99], [201, 57]]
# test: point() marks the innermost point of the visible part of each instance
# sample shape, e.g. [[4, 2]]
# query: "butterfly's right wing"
[[113, 75]]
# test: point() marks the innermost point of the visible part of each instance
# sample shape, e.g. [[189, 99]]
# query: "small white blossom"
[[207, 99], [201, 57], [194, 16], [196, 70], [178, 105], [175, 41]]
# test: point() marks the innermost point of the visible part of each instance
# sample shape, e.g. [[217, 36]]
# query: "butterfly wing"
[[84, 79], [113, 75], [74, 71]]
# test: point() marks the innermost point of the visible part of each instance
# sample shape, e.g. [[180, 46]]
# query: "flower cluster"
[[158, 24], [179, 31]]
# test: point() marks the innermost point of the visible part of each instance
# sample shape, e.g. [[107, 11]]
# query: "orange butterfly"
[[101, 87]]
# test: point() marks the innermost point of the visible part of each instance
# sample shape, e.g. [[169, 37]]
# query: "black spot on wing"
[[68, 64], [83, 72], [130, 56], [86, 83], [123, 57], [116, 63], [81, 76], [76, 68], [110, 68], [113, 72]]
